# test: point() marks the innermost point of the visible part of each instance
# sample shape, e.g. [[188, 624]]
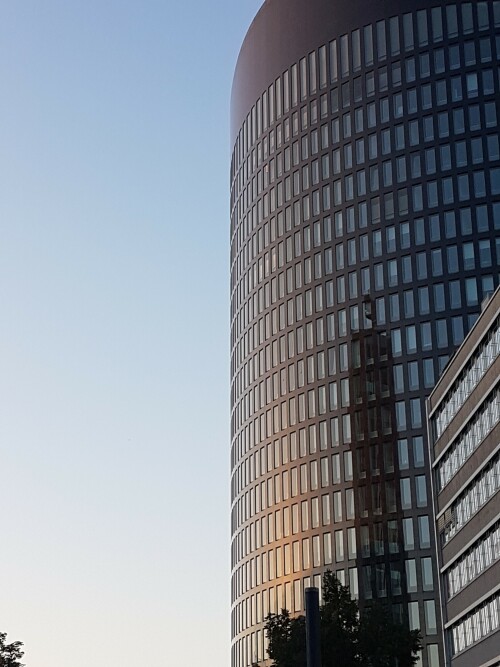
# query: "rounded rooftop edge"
[[268, 47]]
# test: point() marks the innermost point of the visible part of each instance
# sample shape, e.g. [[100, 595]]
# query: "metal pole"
[[313, 643]]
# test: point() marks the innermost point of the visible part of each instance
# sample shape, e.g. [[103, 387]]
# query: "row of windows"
[[299, 444], [401, 272], [459, 158], [381, 538], [469, 440], [309, 514], [421, 231], [334, 547], [374, 83], [341, 256], [291, 596], [300, 480], [359, 216], [417, 198], [442, 192], [374, 541], [357, 121], [404, 236], [402, 34], [397, 105], [410, 339], [286, 483], [400, 169], [429, 623], [329, 435], [378, 581], [271, 565], [365, 148], [473, 563], [317, 332], [373, 500], [366, 182], [462, 388], [362, 424], [446, 191], [327, 398], [473, 499], [444, 152], [428, 128], [482, 622], [407, 414], [438, 298], [388, 308], [369, 462], [317, 365], [257, 173], [345, 55], [400, 105], [356, 283]]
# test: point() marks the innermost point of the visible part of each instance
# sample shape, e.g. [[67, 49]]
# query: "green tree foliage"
[[10, 654], [286, 635], [348, 638]]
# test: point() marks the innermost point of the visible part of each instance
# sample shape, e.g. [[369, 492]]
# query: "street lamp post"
[[313, 643]]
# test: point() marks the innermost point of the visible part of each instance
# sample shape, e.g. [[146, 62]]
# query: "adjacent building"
[[464, 430], [365, 231]]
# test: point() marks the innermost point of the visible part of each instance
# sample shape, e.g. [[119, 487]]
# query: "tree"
[[10, 654], [348, 638], [287, 646], [381, 641]]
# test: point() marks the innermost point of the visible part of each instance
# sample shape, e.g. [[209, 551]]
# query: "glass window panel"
[[368, 45], [411, 576], [423, 37], [437, 24], [408, 32], [381, 41], [394, 30], [452, 21]]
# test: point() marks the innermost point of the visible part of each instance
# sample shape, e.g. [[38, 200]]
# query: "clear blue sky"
[[114, 329]]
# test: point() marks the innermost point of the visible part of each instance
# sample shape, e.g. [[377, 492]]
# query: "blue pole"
[[313, 642]]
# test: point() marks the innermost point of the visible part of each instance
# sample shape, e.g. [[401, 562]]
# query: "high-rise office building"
[[464, 430], [365, 230]]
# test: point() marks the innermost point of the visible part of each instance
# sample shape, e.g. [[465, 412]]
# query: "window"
[[423, 532], [411, 576], [427, 575], [430, 617], [406, 500], [339, 546], [408, 537], [468, 256]]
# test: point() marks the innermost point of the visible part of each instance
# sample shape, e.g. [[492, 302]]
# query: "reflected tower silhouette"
[[376, 479]]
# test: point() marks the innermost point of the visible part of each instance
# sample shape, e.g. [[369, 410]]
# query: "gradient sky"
[[114, 329]]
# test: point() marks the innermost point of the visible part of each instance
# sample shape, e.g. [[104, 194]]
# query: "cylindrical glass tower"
[[365, 231]]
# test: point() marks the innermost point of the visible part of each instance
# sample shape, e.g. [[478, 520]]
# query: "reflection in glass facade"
[[365, 231]]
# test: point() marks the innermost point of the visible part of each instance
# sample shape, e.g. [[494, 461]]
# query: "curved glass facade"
[[365, 231]]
